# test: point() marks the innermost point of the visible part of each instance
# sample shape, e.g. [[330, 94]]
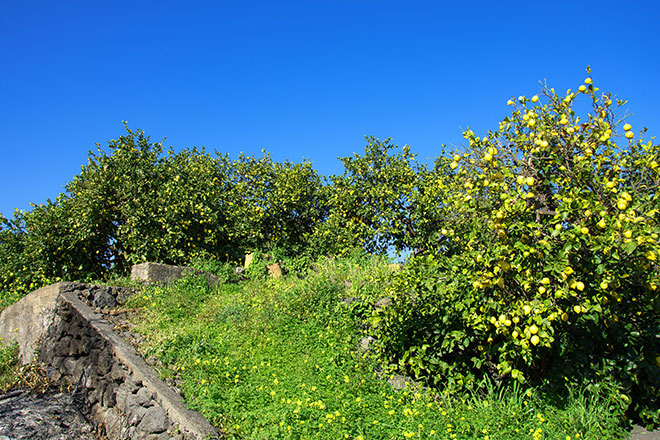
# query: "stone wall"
[[158, 273], [79, 347]]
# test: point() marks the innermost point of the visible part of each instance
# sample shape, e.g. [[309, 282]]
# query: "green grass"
[[278, 359], [8, 366]]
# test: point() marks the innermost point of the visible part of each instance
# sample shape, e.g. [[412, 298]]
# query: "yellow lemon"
[[577, 309], [535, 98], [627, 127], [535, 340], [630, 134], [588, 81], [533, 329]]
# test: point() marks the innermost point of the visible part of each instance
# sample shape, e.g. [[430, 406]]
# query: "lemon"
[[630, 134], [535, 340], [535, 98], [533, 329], [577, 309], [588, 81], [627, 127]]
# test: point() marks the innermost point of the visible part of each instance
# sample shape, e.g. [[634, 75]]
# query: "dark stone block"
[[154, 421], [109, 398], [136, 415]]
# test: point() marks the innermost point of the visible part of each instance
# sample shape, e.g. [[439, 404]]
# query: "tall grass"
[[279, 359]]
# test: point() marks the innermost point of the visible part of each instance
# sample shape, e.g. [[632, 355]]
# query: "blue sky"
[[298, 78]]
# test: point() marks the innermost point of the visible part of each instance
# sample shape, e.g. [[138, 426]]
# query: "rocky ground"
[[45, 416]]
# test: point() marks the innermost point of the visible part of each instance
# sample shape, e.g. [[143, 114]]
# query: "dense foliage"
[[547, 272], [277, 359], [534, 250]]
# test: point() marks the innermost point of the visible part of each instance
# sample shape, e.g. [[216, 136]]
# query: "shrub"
[[547, 268]]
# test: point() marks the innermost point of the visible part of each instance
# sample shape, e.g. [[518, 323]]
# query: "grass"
[[8, 366], [279, 359], [31, 376]]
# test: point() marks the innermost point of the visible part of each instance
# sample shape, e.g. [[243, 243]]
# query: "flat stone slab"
[[166, 273], [640, 433]]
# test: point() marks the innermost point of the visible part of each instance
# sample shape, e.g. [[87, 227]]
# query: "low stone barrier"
[[159, 273], [79, 347]]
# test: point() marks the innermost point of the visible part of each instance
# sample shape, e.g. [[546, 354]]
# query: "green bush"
[[547, 271], [133, 202]]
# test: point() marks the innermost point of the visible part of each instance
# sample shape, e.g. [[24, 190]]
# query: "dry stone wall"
[[79, 347]]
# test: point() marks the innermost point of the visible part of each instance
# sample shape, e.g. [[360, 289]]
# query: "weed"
[[278, 359]]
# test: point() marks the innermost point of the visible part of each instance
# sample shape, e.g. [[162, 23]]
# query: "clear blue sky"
[[298, 78]]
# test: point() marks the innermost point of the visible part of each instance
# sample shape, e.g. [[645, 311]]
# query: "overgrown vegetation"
[[31, 376], [534, 251], [280, 359]]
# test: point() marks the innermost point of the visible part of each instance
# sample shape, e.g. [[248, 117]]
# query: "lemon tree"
[[546, 271], [380, 203]]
